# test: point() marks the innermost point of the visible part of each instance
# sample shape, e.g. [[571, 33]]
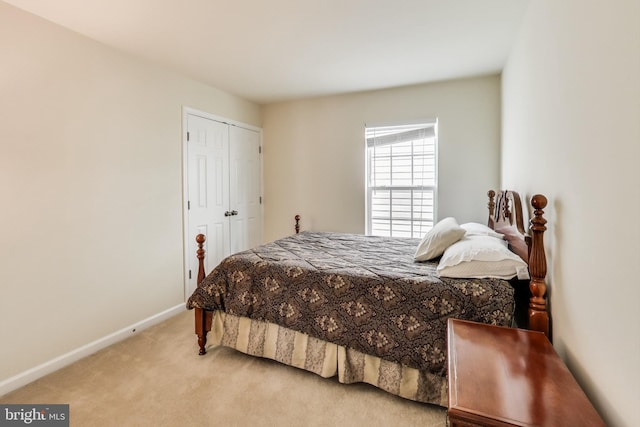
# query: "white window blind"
[[401, 179]]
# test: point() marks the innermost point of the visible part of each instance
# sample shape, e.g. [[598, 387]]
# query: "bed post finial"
[[538, 316], [297, 218], [200, 239], [492, 207]]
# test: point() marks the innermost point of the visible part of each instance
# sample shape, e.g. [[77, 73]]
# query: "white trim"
[[204, 114], [185, 211], [426, 122], [30, 375]]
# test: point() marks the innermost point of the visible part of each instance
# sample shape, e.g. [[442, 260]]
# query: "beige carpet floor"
[[156, 378]]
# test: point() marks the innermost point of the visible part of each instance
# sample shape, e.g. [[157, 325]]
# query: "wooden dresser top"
[[514, 377]]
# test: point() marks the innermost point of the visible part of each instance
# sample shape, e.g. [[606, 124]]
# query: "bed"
[[369, 309]]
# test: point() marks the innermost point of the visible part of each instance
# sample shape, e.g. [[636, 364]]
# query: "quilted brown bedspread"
[[358, 291]]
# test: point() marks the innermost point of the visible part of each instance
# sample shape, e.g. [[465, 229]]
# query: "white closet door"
[[208, 186], [245, 189]]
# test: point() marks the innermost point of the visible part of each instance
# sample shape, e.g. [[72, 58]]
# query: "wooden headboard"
[[506, 217]]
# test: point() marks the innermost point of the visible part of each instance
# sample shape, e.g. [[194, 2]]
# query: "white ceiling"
[[273, 50]]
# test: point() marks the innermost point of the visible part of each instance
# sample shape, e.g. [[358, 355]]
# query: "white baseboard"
[[40, 371]]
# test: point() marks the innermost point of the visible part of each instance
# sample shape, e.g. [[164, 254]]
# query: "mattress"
[[362, 293]]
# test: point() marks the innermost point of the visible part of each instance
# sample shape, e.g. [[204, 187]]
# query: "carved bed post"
[[297, 218], [202, 317], [538, 316], [492, 209]]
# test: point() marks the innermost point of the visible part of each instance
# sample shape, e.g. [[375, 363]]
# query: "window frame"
[[369, 190]]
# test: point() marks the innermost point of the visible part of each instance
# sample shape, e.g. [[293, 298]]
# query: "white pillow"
[[476, 229], [439, 238], [480, 257]]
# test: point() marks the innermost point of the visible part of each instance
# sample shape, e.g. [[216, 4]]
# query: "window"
[[401, 179]]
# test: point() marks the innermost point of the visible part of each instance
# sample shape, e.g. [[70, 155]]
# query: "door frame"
[[187, 111]]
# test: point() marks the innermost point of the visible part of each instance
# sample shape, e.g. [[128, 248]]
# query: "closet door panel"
[[245, 188], [208, 190]]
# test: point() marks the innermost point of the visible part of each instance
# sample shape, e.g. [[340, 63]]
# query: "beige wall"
[[314, 152], [571, 130], [90, 188]]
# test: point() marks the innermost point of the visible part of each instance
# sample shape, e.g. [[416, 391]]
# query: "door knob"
[[234, 212], [227, 213]]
